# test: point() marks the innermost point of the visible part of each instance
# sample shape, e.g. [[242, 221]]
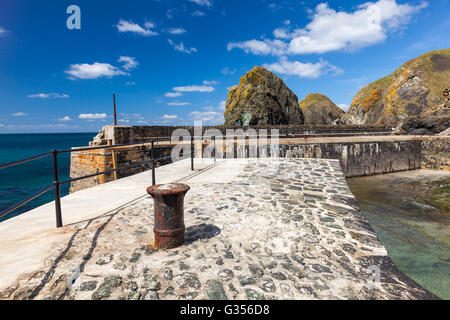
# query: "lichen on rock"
[[261, 98], [319, 109], [413, 90]]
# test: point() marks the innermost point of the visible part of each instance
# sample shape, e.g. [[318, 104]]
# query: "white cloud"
[[178, 103], [130, 83], [124, 120], [173, 94], [228, 71], [281, 33], [66, 118], [93, 71], [130, 26], [207, 116], [170, 116], [194, 89], [220, 107], [302, 70], [48, 95], [3, 31], [130, 62], [92, 116], [2, 125], [331, 30], [206, 3], [260, 47], [198, 13], [212, 82], [180, 47], [176, 31], [19, 114]]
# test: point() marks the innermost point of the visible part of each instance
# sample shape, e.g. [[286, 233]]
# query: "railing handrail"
[[11, 164], [57, 183], [24, 202]]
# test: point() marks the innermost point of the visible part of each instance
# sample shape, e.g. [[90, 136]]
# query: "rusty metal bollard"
[[168, 201]]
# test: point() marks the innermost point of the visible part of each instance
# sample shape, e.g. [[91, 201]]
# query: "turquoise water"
[[21, 181], [416, 236]]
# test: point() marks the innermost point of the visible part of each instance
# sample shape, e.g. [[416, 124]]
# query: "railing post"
[[192, 153], [152, 154], [57, 189], [215, 150]]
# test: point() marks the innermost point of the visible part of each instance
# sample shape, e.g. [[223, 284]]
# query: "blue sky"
[[172, 62]]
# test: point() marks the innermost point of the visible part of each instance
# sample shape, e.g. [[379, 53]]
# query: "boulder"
[[319, 109], [261, 98]]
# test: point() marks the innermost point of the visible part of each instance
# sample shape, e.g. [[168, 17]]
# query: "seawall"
[[359, 152]]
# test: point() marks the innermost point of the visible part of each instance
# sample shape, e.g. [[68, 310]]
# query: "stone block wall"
[[92, 161], [362, 159], [129, 134], [436, 153], [84, 163], [356, 158]]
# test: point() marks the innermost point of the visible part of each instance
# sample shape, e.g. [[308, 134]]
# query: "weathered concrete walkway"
[[266, 229]]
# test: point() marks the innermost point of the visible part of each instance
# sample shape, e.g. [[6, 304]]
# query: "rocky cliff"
[[414, 89], [319, 109], [261, 98]]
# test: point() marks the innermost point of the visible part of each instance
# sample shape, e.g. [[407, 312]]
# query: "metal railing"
[[56, 185]]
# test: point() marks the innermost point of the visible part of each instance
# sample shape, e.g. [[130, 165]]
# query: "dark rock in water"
[[261, 98], [319, 109]]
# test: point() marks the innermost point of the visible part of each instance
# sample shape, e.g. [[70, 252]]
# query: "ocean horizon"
[[23, 180]]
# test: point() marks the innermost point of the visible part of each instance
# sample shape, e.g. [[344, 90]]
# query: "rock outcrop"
[[415, 89], [435, 121], [261, 98], [425, 124], [319, 109]]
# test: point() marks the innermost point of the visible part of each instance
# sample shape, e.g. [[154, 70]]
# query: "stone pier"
[[255, 229]]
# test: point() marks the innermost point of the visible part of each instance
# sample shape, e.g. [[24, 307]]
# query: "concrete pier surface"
[[255, 229]]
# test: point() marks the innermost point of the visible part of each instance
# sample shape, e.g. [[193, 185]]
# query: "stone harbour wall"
[[93, 161], [278, 229], [363, 159], [436, 153], [357, 157], [128, 134], [84, 163]]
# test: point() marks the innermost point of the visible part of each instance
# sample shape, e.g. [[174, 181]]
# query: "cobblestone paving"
[[284, 229]]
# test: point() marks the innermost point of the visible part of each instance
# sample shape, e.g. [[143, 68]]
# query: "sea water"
[[21, 181], [416, 235]]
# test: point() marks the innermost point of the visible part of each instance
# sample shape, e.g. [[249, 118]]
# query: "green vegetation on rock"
[[416, 88], [319, 109]]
